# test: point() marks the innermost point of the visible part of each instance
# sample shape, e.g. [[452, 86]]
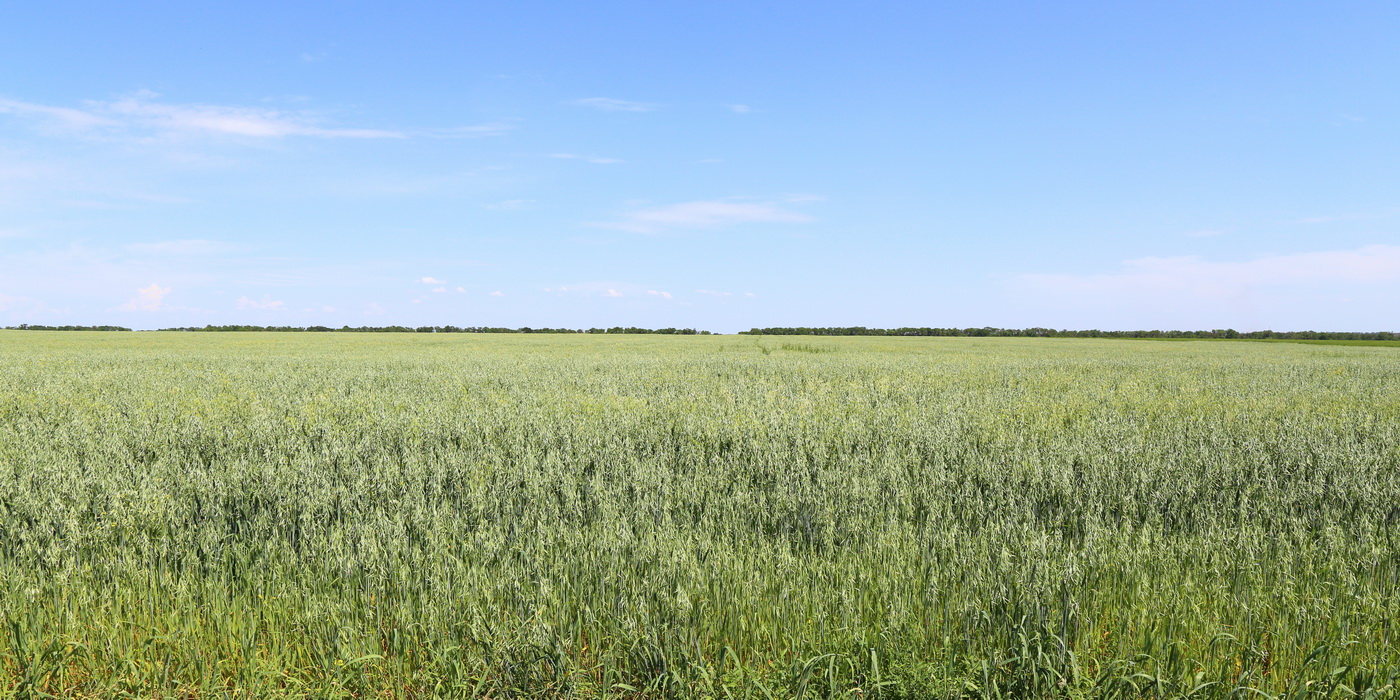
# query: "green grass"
[[1305, 341], [1360, 343], [258, 515]]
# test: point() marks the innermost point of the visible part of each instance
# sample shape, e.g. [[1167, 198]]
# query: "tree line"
[[1092, 333], [986, 331], [31, 327], [435, 329]]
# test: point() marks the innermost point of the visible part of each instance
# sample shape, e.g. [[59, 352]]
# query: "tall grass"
[[516, 516]]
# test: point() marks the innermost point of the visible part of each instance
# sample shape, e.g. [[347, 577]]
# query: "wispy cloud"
[[1196, 276], [147, 299], [590, 159], [609, 104], [657, 293], [225, 120], [1328, 290], [610, 289], [244, 303], [740, 109], [63, 117], [12, 303], [432, 280], [474, 131], [144, 115], [1359, 216], [184, 247], [702, 215]]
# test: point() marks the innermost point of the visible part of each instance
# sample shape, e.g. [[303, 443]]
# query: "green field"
[[355, 515]]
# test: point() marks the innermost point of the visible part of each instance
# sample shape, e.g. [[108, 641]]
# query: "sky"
[[716, 165]]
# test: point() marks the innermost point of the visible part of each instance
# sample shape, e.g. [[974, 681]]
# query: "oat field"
[[187, 515]]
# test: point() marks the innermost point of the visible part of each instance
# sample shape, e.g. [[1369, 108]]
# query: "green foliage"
[[28, 327], [1377, 337], [403, 329], [807, 347], [421, 515]]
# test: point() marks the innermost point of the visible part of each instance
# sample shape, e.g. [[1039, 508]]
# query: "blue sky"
[[718, 165]]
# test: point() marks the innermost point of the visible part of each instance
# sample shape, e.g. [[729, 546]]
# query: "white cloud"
[[147, 299], [439, 290], [9, 303], [714, 293], [590, 159], [471, 132], [1196, 275], [244, 303], [27, 306], [1319, 289], [225, 120], [461, 290], [704, 214], [431, 280], [181, 247], [499, 293], [609, 104], [663, 295], [602, 288], [64, 117], [142, 112], [740, 109], [1358, 216], [750, 294], [388, 183]]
